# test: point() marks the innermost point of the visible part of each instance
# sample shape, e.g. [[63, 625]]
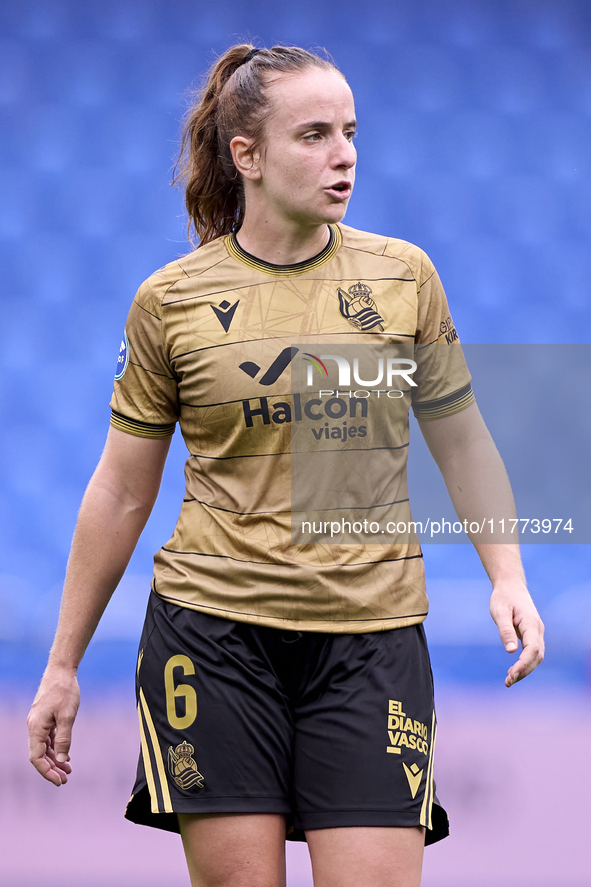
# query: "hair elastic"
[[249, 55]]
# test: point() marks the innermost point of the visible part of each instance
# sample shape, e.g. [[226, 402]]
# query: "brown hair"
[[232, 102]]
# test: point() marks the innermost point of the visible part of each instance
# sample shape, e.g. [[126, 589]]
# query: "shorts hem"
[[139, 811], [139, 808], [374, 818], [351, 818]]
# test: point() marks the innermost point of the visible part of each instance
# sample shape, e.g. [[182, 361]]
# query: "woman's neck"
[[287, 247]]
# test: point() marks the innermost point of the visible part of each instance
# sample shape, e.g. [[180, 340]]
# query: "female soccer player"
[[283, 687]]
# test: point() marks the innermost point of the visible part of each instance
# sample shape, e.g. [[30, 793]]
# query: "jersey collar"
[[330, 250]]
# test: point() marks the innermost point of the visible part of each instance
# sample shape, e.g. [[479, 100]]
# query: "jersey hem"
[[326, 626]]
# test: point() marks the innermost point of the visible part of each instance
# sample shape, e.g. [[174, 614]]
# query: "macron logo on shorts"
[[413, 774]]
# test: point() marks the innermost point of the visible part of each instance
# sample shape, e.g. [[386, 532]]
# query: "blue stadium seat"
[[474, 142]]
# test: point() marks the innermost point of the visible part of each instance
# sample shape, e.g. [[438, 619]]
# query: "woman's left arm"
[[480, 491]]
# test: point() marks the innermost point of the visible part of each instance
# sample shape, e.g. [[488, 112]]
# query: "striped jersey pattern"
[[226, 345]]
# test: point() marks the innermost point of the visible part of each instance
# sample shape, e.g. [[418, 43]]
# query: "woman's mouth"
[[340, 190]]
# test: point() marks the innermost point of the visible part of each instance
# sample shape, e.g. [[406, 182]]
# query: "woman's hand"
[[50, 723], [517, 619]]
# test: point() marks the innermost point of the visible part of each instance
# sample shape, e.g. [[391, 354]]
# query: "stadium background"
[[474, 142]]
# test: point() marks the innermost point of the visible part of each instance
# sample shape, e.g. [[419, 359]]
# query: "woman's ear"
[[246, 160]]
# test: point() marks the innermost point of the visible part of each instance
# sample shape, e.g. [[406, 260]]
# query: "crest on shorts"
[[182, 766], [358, 308]]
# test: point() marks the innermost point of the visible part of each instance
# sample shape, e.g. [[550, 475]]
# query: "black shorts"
[[329, 729]]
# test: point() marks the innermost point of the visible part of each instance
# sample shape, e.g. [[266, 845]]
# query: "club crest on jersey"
[[122, 358], [358, 308], [183, 767]]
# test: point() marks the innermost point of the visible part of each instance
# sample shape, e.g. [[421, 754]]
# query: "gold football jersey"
[[292, 386]]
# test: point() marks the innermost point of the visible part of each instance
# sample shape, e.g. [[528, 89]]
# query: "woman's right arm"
[[114, 510]]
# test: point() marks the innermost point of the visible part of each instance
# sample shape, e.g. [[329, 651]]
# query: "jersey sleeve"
[[145, 395], [443, 380]]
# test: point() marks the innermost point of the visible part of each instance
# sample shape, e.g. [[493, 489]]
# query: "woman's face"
[[306, 163]]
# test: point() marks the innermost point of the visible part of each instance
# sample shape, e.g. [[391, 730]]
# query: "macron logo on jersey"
[[225, 313], [280, 363]]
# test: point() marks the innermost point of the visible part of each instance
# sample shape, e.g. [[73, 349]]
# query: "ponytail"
[[232, 102]]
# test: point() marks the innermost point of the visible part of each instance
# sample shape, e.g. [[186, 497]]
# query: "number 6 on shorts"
[[185, 691]]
